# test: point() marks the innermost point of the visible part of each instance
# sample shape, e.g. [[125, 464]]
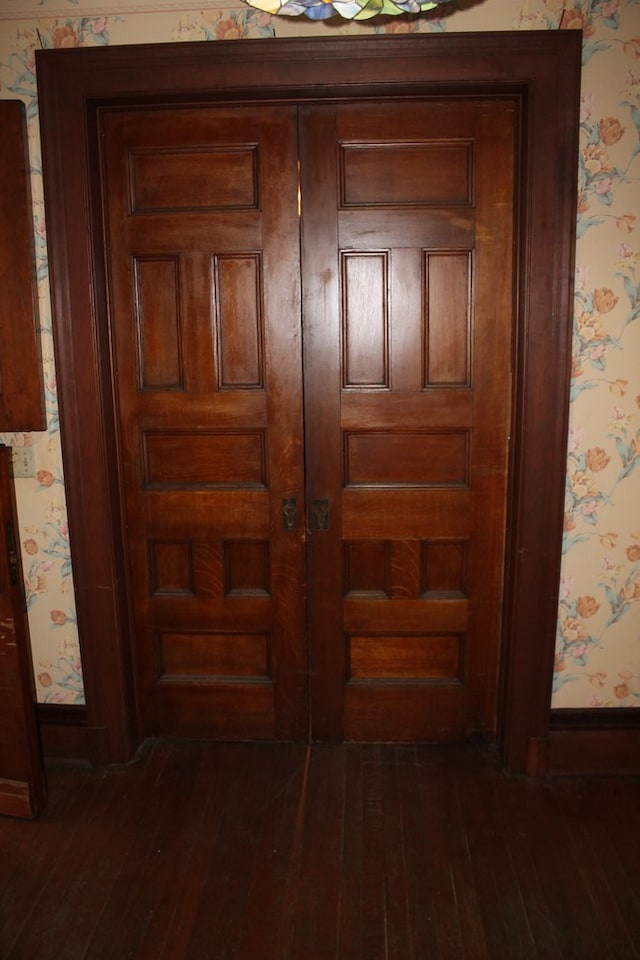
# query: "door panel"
[[22, 779], [407, 240], [202, 228]]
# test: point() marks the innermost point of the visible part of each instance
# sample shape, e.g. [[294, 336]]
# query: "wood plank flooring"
[[213, 851]]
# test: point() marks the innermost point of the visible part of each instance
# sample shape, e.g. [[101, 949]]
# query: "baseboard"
[[593, 742], [65, 734], [16, 799]]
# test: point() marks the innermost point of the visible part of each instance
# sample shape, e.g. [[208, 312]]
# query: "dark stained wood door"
[[407, 293], [22, 778], [404, 253], [203, 241]]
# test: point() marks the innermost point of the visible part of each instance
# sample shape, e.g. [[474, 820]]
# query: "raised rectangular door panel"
[[22, 779], [201, 213], [407, 292]]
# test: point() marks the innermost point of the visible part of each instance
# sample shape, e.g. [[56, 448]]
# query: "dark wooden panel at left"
[[21, 393], [22, 783]]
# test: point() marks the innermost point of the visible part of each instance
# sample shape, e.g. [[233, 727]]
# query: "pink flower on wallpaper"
[[575, 438], [604, 186], [566, 587], [587, 103], [581, 277]]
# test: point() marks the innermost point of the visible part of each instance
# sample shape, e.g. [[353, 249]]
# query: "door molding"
[[540, 72]]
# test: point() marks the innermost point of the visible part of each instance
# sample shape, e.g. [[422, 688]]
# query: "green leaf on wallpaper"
[[587, 300], [633, 315], [616, 615], [569, 542], [599, 364], [612, 597], [635, 113], [621, 446], [589, 50], [559, 680], [628, 470], [631, 290], [594, 136], [619, 174], [605, 198], [578, 387], [585, 223]]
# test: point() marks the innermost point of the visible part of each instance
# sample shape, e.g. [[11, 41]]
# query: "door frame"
[[540, 72]]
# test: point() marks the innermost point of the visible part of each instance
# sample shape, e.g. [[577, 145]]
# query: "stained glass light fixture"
[[348, 9]]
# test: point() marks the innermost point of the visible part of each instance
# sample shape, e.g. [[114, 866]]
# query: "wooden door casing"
[[540, 73], [408, 307]]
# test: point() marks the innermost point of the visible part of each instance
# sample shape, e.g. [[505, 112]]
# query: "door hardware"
[[289, 513], [320, 515]]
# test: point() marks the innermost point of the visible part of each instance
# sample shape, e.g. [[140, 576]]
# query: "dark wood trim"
[[591, 751], [613, 718], [21, 377], [594, 742], [540, 71], [581, 742], [16, 799], [65, 734], [62, 714]]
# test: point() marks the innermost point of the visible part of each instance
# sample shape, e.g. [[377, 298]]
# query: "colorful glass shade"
[[348, 9]]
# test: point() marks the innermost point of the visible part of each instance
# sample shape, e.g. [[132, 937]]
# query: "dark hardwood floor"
[[269, 852]]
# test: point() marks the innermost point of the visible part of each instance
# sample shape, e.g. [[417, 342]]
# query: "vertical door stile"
[[322, 384]]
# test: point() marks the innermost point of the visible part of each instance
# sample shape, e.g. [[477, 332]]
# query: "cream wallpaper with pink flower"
[[598, 627]]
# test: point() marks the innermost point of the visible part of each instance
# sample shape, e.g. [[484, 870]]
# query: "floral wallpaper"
[[598, 628]]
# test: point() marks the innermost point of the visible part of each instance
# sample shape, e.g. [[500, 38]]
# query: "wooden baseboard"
[[66, 735], [593, 742], [579, 741], [16, 799]]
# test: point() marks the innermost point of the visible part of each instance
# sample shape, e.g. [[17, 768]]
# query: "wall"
[[598, 633]]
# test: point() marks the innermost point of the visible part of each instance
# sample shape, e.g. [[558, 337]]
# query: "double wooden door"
[[310, 310]]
